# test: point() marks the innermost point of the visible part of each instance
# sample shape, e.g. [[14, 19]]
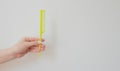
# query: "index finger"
[[29, 39]]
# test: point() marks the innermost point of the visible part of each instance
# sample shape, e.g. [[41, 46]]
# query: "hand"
[[26, 45]]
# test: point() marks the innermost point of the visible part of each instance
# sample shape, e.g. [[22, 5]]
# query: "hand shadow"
[[51, 42]]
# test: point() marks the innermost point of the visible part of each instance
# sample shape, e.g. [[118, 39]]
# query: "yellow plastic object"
[[42, 26]]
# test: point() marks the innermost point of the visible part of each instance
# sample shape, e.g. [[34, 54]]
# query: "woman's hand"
[[27, 44]]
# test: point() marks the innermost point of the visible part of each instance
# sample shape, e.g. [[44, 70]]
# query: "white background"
[[81, 35]]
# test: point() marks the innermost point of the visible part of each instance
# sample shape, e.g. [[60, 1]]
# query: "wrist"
[[11, 53]]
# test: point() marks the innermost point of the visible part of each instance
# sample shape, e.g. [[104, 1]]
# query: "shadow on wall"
[[51, 42]]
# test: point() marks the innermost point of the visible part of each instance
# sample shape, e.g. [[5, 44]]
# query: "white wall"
[[81, 35]]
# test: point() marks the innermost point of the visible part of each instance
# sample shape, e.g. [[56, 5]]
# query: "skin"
[[21, 48]]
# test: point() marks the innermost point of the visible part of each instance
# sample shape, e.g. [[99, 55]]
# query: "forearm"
[[6, 55]]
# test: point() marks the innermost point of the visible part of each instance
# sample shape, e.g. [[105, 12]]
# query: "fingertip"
[[42, 39], [42, 48]]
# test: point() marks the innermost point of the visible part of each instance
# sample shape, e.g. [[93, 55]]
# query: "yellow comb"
[[42, 26]]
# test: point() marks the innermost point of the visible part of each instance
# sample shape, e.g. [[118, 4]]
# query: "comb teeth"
[[43, 25], [42, 21]]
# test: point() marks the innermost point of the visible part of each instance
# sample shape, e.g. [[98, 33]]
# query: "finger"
[[29, 39], [36, 49], [33, 43], [42, 48], [34, 39]]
